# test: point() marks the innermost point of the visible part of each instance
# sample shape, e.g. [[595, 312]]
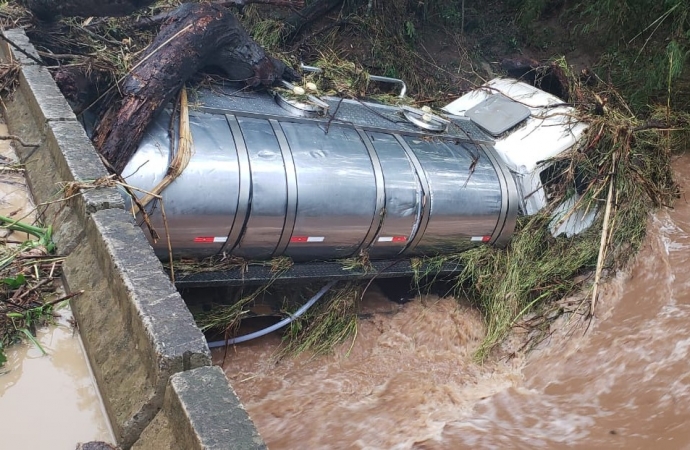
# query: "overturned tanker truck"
[[318, 179]]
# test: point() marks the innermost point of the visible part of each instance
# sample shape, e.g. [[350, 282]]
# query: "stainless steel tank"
[[268, 180]]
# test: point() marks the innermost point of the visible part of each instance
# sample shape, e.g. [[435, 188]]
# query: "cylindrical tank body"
[[262, 185]]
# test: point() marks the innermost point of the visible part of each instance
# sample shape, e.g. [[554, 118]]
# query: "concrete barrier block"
[[64, 153], [9, 52], [21, 122], [136, 328], [77, 160], [68, 142], [40, 92], [139, 336], [46, 171], [201, 411], [46, 101]]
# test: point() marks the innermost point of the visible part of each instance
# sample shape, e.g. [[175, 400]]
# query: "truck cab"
[[531, 128]]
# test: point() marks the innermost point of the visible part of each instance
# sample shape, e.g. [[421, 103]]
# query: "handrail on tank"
[[403, 86]]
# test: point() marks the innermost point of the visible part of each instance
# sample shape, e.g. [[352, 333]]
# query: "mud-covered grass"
[[331, 320], [327, 324]]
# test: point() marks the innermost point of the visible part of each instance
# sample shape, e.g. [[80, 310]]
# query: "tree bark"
[[197, 35]]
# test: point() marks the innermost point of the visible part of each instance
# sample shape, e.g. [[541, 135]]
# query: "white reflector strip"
[[392, 239], [210, 239]]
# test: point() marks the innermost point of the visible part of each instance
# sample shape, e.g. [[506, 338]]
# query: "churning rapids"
[[408, 380]]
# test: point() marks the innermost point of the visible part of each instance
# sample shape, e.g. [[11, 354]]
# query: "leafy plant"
[[14, 282], [44, 235]]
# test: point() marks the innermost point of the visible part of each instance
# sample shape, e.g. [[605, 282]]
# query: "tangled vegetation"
[[28, 275], [329, 322], [626, 164]]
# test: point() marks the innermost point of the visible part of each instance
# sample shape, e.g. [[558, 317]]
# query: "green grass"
[[26, 278]]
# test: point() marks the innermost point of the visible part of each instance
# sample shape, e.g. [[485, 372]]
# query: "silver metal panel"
[[267, 184], [291, 180], [268, 191], [403, 198], [465, 195], [420, 225], [351, 112], [201, 203], [337, 191], [380, 193], [244, 195], [510, 199], [498, 114]]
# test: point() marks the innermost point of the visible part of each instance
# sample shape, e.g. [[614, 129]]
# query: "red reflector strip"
[[307, 239], [210, 239]]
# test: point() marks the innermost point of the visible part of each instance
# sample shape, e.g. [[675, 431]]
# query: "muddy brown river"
[[408, 381]]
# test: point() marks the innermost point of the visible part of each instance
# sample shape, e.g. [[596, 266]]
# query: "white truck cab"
[[530, 128]]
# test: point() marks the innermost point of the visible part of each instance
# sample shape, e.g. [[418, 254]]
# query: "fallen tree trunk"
[[196, 35]]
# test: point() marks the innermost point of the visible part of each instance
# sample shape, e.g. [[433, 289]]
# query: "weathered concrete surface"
[[42, 116], [136, 328], [138, 333], [18, 37], [203, 414]]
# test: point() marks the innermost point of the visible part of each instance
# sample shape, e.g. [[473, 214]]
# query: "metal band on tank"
[[380, 192], [509, 199], [291, 180], [426, 197], [244, 193]]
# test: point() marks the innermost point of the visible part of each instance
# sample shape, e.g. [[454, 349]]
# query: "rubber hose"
[[276, 326]]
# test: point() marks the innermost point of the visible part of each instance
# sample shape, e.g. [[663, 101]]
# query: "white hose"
[[281, 324]]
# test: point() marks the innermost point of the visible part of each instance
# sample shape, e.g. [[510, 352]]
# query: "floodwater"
[[46, 402], [50, 402], [408, 380]]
